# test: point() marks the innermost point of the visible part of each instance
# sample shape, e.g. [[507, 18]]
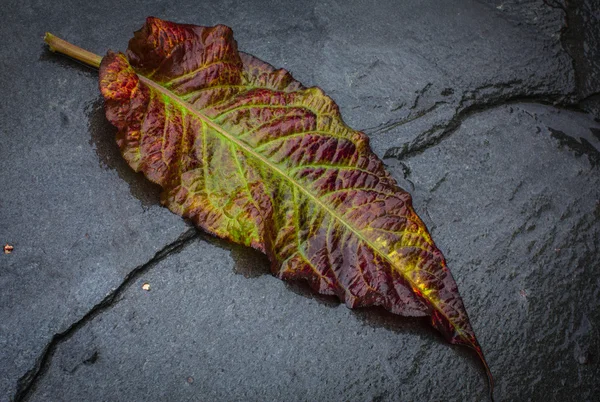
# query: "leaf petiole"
[[58, 45]]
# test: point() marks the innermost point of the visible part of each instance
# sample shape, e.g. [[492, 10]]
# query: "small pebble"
[[583, 358], [146, 286]]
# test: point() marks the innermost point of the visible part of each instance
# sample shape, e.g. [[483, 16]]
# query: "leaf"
[[249, 154]]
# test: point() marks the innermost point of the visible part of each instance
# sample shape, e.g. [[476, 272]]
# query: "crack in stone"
[[474, 101], [427, 138], [27, 383], [480, 99], [384, 128], [581, 147], [420, 93], [579, 41], [555, 4]]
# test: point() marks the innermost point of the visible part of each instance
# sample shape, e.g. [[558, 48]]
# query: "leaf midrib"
[[208, 121]]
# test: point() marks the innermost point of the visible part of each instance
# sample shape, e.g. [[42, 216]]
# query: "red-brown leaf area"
[[250, 155]]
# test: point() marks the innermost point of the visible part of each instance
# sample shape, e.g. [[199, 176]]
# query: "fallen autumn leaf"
[[250, 155]]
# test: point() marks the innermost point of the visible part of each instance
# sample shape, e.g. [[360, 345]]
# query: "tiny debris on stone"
[[583, 358], [146, 286], [8, 248], [190, 380]]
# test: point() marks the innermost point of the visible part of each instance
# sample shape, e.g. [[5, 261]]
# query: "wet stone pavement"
[[486, 111]]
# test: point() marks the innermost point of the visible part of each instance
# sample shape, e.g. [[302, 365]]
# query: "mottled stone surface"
[[78, 226], [454, 95]]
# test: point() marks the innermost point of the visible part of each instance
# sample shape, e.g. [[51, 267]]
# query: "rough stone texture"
[[509, 189], [78, 227], [522, 245], [581, 39], [515, 200]]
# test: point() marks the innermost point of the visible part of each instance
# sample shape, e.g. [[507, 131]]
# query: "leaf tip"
[[488, 372]]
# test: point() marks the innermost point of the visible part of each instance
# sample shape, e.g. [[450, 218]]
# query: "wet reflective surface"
[[511, 197]]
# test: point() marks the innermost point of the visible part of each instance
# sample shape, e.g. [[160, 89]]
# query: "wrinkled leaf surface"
[[250, 155]]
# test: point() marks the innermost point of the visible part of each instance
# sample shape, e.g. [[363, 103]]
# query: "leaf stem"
[[58, 45]]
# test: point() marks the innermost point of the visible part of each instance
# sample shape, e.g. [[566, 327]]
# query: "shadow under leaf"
[[102, 139]]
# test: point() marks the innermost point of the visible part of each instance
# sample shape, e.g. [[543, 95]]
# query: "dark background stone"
[[486, 111]]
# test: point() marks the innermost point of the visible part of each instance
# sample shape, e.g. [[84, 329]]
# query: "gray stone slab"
[[79, 220], [409, 72], [517, 214], [513, 199], [204, 332], [581, 39]]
